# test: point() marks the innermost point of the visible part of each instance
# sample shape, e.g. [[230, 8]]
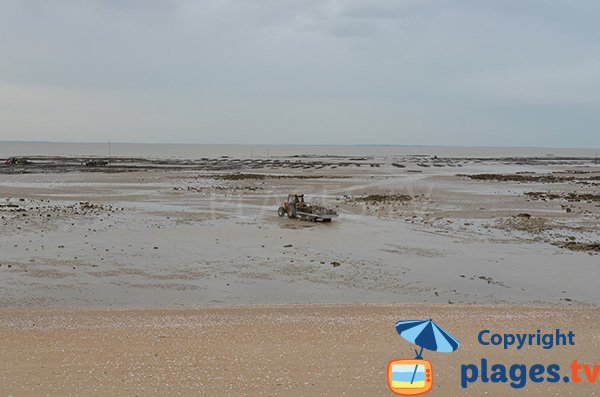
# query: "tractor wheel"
[[281, 211], [291, 212]]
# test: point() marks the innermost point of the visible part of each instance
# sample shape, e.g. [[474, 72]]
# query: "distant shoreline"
[[326, 163], [264, 144], [192, 151]]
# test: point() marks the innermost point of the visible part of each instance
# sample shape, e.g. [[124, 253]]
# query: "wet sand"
[[205, 232], [266, 351]]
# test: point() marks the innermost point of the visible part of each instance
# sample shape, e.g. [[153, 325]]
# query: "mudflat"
[[206, 232]]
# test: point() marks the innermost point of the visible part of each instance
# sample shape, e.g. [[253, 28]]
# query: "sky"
[[407, 72]]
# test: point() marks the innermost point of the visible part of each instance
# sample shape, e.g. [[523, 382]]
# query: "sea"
[[197, 151]]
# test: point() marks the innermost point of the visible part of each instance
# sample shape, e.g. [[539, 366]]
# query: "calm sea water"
[[195, 151]]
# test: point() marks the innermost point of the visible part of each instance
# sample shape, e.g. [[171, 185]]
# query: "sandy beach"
[[267, 351], [177, 277]]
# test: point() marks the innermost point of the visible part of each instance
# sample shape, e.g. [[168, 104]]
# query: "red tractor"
[[296, 207]]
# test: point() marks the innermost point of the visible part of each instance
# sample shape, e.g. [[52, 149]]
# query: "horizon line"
[[299, 144]]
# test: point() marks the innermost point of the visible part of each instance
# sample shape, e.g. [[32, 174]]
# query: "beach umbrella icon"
[[427, 335]]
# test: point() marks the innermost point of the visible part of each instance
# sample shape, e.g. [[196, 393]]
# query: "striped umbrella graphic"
[[427, 335]]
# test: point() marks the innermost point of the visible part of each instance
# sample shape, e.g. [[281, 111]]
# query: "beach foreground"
[[270, 350]]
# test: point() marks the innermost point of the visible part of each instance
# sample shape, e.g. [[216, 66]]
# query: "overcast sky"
[[495, 72]]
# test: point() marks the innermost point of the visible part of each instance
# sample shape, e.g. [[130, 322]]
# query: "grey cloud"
[[381, 71]]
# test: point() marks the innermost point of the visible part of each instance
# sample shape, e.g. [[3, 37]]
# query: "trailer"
[[296, 207]]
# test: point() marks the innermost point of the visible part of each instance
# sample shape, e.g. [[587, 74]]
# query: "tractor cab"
[[294, 202], [294, 199]]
